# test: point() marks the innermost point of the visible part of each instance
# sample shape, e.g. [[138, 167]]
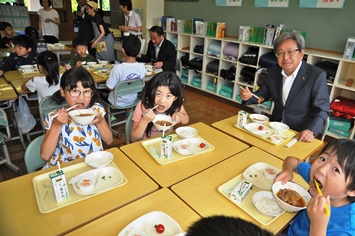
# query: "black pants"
[[104, 94], [50, 39]]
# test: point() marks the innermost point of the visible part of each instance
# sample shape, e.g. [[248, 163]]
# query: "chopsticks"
[[155, 107], [327, 212], [251, 93], [70, 108]]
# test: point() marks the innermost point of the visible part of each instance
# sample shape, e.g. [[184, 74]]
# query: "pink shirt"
[[138, 113]]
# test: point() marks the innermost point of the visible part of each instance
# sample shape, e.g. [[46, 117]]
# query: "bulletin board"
[[17, 16]]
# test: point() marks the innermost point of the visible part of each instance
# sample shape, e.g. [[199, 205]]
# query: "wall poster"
[[17, 16], [228, 3], [321, 3], [271, 3]]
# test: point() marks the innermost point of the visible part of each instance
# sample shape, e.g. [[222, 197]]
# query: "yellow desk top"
[[20, 214], [15, 74], [162, 200], [17, 85], [201, 194], [7, 92], [301, 150], [167, 175]]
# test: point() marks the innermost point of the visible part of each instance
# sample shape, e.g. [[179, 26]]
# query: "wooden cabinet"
[[214, 83]]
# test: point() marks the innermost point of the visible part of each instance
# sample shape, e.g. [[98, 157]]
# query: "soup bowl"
[[83, 116], [161, 119]]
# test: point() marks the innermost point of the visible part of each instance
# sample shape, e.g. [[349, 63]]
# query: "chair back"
[[128, 87], [325, 129], [46, 106], [5, 123], [128, 127], [33, 159], [178, 67]]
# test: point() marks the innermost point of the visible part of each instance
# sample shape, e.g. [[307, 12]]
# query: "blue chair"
[[128, 127], [123, 88], [46, 106], [33, 160], [325, 129]]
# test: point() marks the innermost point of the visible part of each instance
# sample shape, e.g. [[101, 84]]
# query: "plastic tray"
[[153, 148], [97, 72], [247, 204], [33, 71], [286, 136], [44, 193]]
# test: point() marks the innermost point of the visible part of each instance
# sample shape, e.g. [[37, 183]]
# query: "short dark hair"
[[79, 41], [33, 34], [157, 29], [345, 151], [23, 41], [4, 25], [225, 226], [131, 45], [49, 3], [295, 36], [49, 61], [126, 3]]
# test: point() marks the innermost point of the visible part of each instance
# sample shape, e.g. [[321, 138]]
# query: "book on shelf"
[[221, 29], [244, 33], [180, 24], [193, 30], [265, 31], [163, 21], [349, 48], [270, 34], [170, 24]]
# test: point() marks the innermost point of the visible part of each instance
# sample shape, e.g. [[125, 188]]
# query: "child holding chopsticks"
[[164, 93], [334, 172]]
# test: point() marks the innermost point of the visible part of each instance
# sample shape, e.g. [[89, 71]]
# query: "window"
[[33, 5]]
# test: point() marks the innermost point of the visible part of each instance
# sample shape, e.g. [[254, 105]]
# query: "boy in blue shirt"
[[23, 55], [334, 171]]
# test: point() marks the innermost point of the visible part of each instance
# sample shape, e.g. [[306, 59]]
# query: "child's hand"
[[148, 115], [78, 63], [98, 118], [176, 117], [284, 176], [316, 211], [67, 66], [62, 117], [1, 73]]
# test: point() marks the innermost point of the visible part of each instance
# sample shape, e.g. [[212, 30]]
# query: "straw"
[[59, 166], [327, 212], [164, 130], [251, 93]]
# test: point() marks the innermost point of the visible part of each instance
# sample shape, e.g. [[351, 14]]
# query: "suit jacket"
[[167, 54], [307, 105]]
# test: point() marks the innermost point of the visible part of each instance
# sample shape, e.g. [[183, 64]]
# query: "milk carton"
[[59, 185], [241, 191], [242, 118], [166, 147]]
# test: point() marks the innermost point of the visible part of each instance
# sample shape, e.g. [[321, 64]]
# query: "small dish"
[[255, 174], [304, 194], [103, 62], [186, 132], [259, 129], [265, 202], [149, 69], [83, 116], [258, 118], [137, 233], [91, 63], [191, 146], [104, 71], [276, 138], [99, 159], [159, 121], [270, 172], [26, 67], [86, 184]]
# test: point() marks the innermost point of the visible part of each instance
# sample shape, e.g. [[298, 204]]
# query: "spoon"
[[70, 108], [320, 194]]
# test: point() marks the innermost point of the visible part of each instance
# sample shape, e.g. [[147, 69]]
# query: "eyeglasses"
[[76, 93], [289, 53]]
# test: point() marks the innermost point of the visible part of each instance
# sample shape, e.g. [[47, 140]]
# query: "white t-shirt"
[[50, 28], [40, 85], [134, 20], [121, 72]]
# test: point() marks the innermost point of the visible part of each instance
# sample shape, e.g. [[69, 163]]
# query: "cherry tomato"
[[159, 228], [202, 145], [261, 127]]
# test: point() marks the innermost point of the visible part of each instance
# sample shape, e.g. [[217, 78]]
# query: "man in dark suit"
[[86, 29], [299, 90], [160, 51]]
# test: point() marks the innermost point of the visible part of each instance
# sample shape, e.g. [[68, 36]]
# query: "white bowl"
[[258, 118], [186, 132], [265, 202], [137, 233], [86, 184], [276, 187], [104, 71], [161, 119], [91, 63], [279, 127], [99, 159], [148, 69], [275, 138], [103, 62], [26, 67], [83, 116]]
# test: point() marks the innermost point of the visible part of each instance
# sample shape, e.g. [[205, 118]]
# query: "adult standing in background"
[[160, 51], [133, 21], [299, 90], [104, 41], [48, 22], [86, 30]]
